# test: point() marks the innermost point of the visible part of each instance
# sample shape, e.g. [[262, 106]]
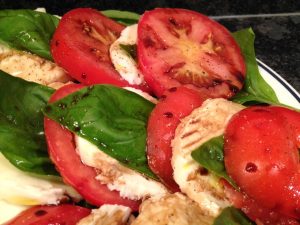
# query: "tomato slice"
[[254, 210], [182, 47], [175, 104], [81, 44], [65, 214], [261, 155], [62, 151]]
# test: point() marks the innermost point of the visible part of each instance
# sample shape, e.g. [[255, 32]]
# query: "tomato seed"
[[40, 213], [168, 114], [251, 167]]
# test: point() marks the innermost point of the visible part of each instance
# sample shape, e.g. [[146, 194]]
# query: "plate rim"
[[279, 79]]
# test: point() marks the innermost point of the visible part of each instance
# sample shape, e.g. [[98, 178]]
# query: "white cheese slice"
[[18, 187], [117, 177], [107, 215], [123, 62], [9, 211], [204, 123]]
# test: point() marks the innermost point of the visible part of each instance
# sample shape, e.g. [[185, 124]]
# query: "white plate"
[[286, 94]]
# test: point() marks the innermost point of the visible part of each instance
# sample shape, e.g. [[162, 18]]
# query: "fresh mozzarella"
[[18, 187], [9, 211], [143, 94], [201, 125], [171, 209], [31, 67], [129, 183], [107, 215], [123, 62]]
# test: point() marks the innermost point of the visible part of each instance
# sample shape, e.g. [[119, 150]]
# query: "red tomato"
[[261, 155], [176, 104], [255, 211], [45, 215], [62, 151], [81, 44], [294, 120], [182, 47]]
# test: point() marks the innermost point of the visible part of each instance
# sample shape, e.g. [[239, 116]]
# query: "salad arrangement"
[[189, 62]]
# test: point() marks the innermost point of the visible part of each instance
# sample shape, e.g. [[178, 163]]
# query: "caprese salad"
[[115, 118]]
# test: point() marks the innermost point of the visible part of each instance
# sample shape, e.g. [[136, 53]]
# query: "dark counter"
[[276, 23]]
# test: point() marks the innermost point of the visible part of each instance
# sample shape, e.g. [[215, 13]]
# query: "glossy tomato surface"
[[61, 147], [255, 211], [175, 104], [182, 47], [262, 156], [81, 45], [51, 215]]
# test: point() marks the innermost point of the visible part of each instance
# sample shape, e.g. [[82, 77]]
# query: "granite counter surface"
[[276, 23]]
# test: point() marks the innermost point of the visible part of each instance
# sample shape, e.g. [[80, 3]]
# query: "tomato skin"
[[174, 49], [294, 120], [61, 148], [261, 155], [81, 44], [45, 215], [175, 104], [254, 210]]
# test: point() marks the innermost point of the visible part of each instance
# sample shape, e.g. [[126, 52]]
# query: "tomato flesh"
[[182, 47], [255, 211], [62, 151], [44, 215], [81, 44], [261, 155], [173, 106]]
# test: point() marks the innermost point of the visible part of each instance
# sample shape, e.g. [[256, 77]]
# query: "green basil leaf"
[[232, 216], [112, 118], [124, 17], [130, 50], [28, 30], [256, 89], [210, 156], [22, 139]]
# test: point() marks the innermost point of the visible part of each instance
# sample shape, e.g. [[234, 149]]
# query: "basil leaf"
[[232, 216], [28, 30], [256, 89], [210, 155], [124, 17], [112, 118], [130, 50], [22, 139]]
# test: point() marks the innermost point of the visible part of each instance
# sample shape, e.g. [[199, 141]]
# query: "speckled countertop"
[[276, 23]]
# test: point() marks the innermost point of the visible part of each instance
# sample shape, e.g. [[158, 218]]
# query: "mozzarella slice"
[[107, 215], [143, 94], [171, 209], [123, 62], [18, 187], [201, 125], [9, 211], [117, 177], [31, 67]]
